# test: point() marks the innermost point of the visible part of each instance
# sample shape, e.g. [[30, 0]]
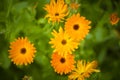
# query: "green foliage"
[[25, 18]]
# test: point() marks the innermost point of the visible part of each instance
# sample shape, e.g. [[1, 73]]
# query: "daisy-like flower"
[[62, 42], [61, 64], [77, 27], [83, 70], [22, 51], [114, 18], [57, 10], [74, 5]]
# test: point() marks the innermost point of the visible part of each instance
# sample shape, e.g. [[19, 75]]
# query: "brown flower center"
[[64, 42], [56, 14], [56, 1], [82, 73], [23, 50], [62, 60], [76, 27]]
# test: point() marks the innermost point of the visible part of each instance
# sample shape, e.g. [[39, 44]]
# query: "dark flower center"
[[23, 50], [56, 1], [62, 60], [76, 27], [56, 14], [82, 73], [64, 42]]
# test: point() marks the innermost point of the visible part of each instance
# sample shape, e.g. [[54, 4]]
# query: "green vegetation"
[[25, 18]]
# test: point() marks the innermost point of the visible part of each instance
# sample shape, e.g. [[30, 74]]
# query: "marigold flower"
[[62, 42], [77, 27], [22, 51], [83, 70], [74, 5], [61, 64], [57, 10], [114, 18]]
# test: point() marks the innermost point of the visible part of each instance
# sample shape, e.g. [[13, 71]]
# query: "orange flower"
[[114, 18], [21, 52], [83, 70], [57, 10], [77, 27], [62, 64], [63, 43], [74, 5]]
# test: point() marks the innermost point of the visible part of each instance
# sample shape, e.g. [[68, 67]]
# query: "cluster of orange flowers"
[[67, 39], [64, 42]]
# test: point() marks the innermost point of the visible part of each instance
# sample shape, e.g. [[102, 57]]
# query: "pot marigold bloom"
[[61, 64], [77, 27], [22, 51], [114, 18], [74, 5], [83, 70], [62, 42], [57, 10]]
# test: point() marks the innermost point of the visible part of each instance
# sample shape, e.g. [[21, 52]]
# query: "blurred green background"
[[26, 18]]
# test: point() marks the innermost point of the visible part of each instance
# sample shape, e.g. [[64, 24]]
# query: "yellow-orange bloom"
[[57, 10], [22, 51], [83, 70], [77, 27], [114, 18], [61, 64], [74, 5], [62, 43]]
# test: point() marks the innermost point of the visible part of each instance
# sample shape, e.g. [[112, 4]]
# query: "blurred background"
[[26, 18]]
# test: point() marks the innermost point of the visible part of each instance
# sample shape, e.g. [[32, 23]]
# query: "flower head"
[[114, 18], [77, 27], [74, 5], [83, 70], [62, 42], [57, 10], [22, 51], [62, 64]]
